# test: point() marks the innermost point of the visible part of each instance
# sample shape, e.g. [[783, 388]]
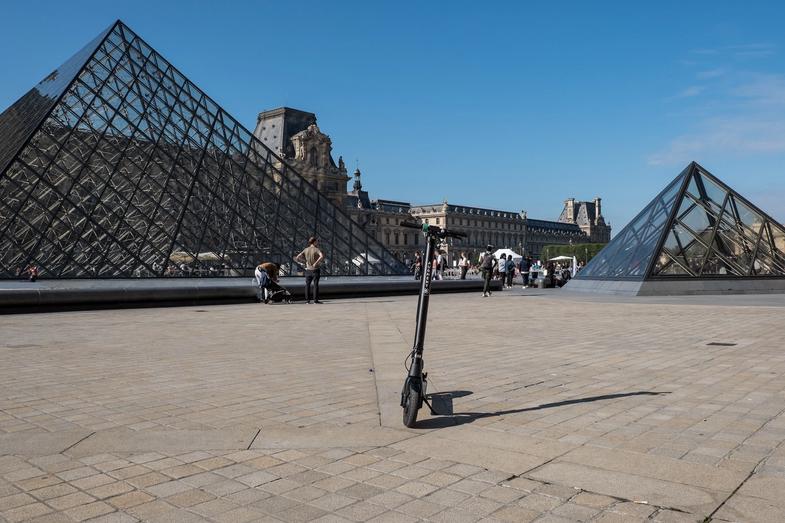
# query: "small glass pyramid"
[[697, 227], [116, 166]]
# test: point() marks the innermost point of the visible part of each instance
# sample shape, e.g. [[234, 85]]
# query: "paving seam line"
[[254, 439], [373, 365], [755, 468], [524, 475], [77, 443]]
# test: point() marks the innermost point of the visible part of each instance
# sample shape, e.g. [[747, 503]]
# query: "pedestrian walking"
[[463, 263], [312, 257], [487, 264]]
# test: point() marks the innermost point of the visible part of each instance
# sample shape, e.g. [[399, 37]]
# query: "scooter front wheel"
[[411, 404]]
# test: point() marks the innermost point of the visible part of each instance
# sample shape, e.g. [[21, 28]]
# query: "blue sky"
[[509, 105]]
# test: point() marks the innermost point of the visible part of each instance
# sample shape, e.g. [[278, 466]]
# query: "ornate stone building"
[[294, 135], [587, 216]]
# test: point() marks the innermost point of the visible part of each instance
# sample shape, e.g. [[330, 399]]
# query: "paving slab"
[[470, 436], [123, 440], [479, 455], [750, 509], [40, 443], [628, 486], [328, 436], [658, 467], [771, 489]]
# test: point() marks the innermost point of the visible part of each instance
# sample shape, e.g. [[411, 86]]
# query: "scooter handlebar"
[[433, 230], [411, 225]]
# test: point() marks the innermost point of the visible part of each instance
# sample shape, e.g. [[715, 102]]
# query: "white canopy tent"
[[561, 258], [508, 252], [361, 258]]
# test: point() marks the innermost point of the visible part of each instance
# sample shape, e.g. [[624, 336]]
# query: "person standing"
[[510, 271], [417, 265], [487, 264], [503, 269], [312, 257], [524, 268], [441, 261], [435, 274], [550, 272], [32, 272], [464, 265]]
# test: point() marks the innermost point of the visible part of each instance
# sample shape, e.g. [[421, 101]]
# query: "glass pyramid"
[[116, 166], [697, 227]]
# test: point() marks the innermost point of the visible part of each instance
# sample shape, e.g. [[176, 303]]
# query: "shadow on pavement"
[[451, 419]]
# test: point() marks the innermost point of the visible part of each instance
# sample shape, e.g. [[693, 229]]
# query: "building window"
[[396, 238], [437, 221], [387, 238], [405, 239]]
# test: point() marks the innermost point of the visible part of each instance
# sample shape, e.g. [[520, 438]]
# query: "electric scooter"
[[415, 385]]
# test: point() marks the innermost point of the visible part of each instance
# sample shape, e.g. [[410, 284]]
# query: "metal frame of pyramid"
[[116, 165], [698, 233]]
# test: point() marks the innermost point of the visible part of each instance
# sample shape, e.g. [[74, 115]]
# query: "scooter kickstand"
[[425, 400]]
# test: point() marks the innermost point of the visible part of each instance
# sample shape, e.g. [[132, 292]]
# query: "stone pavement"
[[556, 408]]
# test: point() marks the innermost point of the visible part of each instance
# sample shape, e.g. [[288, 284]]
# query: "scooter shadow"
[[447, 418]]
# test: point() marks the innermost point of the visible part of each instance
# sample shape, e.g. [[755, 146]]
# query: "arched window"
[[314, 157]]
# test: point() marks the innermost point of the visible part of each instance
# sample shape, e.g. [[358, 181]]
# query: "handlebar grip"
[[411, 225]]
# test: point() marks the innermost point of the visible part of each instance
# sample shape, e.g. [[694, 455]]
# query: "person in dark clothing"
[[526, 263], [32, 272], [551, 268], [312, 257], [417, 265], [510, 271], [487, 264]]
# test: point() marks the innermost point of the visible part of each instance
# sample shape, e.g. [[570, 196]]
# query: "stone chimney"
[[569, 204], [597, 209]]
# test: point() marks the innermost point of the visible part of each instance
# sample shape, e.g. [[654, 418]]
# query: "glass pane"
[[674, 269], [731, 245], [694, 254], [695, 219], [717, 266], [630, 252], [748, 217], [715, 195], [692, 188]]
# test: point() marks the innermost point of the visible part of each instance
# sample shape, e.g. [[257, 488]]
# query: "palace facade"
[[295, 136]]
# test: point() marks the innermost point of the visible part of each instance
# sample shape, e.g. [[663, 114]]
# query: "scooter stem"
[[422, 307]]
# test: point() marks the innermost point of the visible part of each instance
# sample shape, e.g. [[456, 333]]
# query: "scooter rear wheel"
[[411, 405]]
